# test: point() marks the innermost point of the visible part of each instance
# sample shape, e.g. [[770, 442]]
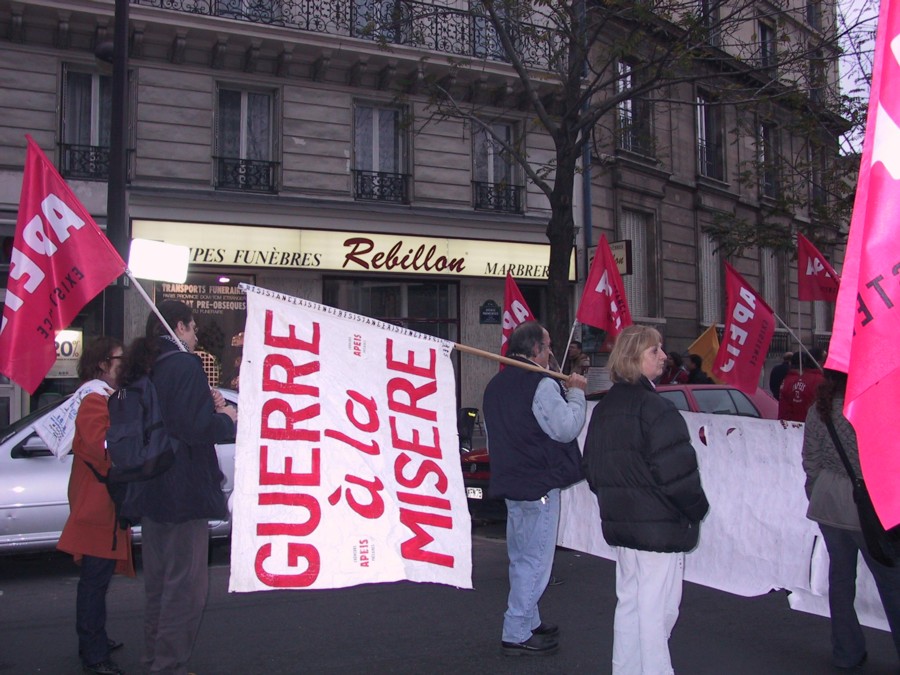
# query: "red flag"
[[603, 302], [749, 326], [867, 316], [816, 279], [515, 311], [60, 260]]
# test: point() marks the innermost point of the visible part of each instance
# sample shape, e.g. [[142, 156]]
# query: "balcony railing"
[[380, 186], [709, 159], [233, 173], [497, 197], [90, 162], [634, 132], [404, 22]]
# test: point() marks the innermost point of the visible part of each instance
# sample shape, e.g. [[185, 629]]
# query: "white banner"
[[347, 462], [756, 537]]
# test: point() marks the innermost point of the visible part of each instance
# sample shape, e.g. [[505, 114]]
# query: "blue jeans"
[[847, 640], [531, 544], [90, 608]]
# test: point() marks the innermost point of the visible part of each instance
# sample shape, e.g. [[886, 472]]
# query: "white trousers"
[[648, 590]]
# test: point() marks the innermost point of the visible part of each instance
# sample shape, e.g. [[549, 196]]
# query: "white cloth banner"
[[57, 429], [347, 461], [756, 536]]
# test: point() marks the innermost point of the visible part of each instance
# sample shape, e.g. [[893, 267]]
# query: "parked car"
[[718, 399], [34, 485]]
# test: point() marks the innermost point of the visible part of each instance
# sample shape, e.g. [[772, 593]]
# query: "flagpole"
[[509, 362], [140, 289], [566, 353], [794, 335]]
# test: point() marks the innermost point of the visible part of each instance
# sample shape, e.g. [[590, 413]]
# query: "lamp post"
[[117, 225]]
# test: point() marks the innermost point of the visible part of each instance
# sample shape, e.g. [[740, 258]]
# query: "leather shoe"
[[536, 645], [546, 629], [105, 667], [113, 645]]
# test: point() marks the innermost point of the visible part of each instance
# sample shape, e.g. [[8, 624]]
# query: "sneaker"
[[105, 667]]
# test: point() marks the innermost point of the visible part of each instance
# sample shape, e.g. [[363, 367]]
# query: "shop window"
[[494, 170], [429, 307], [379, 158], [86, 114], [244, 141]]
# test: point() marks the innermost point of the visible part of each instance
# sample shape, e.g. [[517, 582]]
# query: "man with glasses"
[[532, 423]]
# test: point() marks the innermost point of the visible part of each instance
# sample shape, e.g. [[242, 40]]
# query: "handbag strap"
[[840, 448]]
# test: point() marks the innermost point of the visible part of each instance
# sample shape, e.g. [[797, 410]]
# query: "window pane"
[[716, 401], [743, 404], [711, 288], [105, 111], [229, 123], [363, 138], [678, 398], [634, 226], [482, 153], [77, 109], [259, 116], [388, 140]]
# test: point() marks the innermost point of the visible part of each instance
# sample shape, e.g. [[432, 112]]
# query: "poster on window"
[[220, 310]]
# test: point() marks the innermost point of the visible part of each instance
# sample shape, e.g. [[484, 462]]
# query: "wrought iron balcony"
[[634, 132], [710, 160], [415, 24], [233, 173], [498, 197], [380, 186], [89, 162]]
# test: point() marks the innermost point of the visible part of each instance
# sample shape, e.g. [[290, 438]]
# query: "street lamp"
[[117, 226]]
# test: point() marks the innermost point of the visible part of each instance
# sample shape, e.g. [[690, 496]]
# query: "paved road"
[[416, 628]]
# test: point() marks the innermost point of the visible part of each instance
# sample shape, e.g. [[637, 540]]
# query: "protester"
[[91, 533], [576, 360], [830, 493], [674, 372], [639, 461], [175, 507], [532, 428], [798, 391], [776, 377], [695, 370]]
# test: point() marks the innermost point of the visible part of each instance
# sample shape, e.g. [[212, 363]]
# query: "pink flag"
[[867, 316], [816, 279], [60, 261], [749, 326], [603, 303], [515, 311]]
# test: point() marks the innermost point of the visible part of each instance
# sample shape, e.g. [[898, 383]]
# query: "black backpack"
[[137, 443]]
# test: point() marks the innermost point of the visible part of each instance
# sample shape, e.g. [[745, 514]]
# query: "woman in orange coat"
[[91, 533]]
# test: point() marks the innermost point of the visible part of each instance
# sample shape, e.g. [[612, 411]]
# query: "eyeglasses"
[[115, 358]]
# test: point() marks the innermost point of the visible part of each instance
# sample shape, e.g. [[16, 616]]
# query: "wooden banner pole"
[[509, 362]]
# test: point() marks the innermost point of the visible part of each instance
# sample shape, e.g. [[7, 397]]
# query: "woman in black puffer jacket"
[[639, 461]]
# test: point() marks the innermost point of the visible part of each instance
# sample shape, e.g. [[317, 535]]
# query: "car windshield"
[[29, 419]]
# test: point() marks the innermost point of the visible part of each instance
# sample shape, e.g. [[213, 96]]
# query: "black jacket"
[[525, 462], [192, 488], [639, 461]]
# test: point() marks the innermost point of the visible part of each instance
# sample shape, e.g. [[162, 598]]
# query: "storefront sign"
[[621, 253], [69, 344], [246, 246]]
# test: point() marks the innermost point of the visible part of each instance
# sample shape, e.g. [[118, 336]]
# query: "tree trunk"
[[561, 233]]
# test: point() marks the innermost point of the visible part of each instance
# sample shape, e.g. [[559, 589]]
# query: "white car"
[[34, 486]]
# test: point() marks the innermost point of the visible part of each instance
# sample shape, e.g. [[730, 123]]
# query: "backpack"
[[137, 443]]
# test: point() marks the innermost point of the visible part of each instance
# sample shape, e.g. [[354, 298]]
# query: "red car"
[[718, 399]]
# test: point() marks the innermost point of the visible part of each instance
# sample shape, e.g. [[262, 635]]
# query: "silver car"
[[34, 486]]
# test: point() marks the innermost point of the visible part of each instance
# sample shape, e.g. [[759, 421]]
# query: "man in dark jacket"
[[175, 507], [532, 424]]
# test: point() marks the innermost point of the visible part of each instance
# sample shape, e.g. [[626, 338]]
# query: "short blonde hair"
[[625, 359]]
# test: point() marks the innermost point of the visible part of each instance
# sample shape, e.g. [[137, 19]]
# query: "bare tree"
[[574, 96]]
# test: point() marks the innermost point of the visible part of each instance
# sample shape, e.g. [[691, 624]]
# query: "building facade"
[[294, 145]]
